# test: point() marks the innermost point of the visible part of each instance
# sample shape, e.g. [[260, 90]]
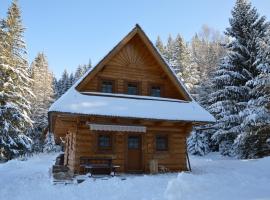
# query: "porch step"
[[59, 168], [61, 173]]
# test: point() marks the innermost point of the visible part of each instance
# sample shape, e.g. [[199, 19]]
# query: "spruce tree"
[[160, 46], [67, 80], [186, 68], [42, 88], [206, 49], [231, 92], [177, 54], [14, 86], [71, 81], [252, 142], [198, 143], [169, 52], [64, 83], [56, 94], [49, 144], [79, 72]]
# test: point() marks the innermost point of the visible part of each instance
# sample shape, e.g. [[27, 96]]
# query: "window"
[[132, 89], [104, 142], [133, 142], [162, 143], [155, 91], [107, 86]]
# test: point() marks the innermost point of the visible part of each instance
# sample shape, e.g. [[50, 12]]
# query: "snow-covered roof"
[[129, 106]]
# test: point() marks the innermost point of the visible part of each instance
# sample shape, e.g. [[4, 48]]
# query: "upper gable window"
[[132, 89], [155, 91], [107, 86]]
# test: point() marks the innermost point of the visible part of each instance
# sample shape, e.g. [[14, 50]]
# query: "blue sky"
[[71, 32]]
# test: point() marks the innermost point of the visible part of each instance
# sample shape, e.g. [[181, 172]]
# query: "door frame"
[[141, 151]]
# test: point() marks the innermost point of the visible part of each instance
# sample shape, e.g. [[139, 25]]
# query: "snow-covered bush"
[[49, 144], [198, 143]]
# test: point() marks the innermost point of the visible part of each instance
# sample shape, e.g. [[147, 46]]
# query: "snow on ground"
[[218, 178], [213, 177]]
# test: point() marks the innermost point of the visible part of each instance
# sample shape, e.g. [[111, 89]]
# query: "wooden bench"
[[98, 166]]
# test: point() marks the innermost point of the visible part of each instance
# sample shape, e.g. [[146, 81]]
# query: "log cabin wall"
[[134, 63], [84, 143], [71, 130]]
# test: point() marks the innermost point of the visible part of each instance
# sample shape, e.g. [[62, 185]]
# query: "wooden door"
[[134, 153]]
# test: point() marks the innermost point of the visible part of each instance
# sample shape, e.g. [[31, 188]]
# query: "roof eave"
[[197, 122]]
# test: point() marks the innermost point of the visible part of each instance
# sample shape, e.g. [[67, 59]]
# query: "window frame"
[[151, 85], [134, 83], [167, 146], [101, 80], [139, 142], [100, 149]]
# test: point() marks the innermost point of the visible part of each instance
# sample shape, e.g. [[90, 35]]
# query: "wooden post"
[[189, 167]]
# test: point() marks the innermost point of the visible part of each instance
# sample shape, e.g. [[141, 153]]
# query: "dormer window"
[[107, 86], [155, 91], [132, 89]]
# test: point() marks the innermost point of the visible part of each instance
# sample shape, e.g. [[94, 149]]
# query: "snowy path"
[[213, 177]]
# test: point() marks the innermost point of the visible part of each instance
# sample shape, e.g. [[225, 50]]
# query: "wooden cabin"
[[131, 107]]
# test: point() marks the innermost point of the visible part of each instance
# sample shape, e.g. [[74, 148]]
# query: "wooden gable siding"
[[134, 63]]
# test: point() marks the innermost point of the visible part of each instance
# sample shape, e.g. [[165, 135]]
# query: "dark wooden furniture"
[[102, 166]]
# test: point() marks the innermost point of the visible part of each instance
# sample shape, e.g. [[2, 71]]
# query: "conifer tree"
[[64, 83], [55, 88], [168, 53], [49, 144], [14, 86], [187, 69], [231, 92], [160, 46], [67, 80], [252, 142], [198, 143], [178, 56], [79, 72], [71, 80], [42, 88], [206, 49]]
